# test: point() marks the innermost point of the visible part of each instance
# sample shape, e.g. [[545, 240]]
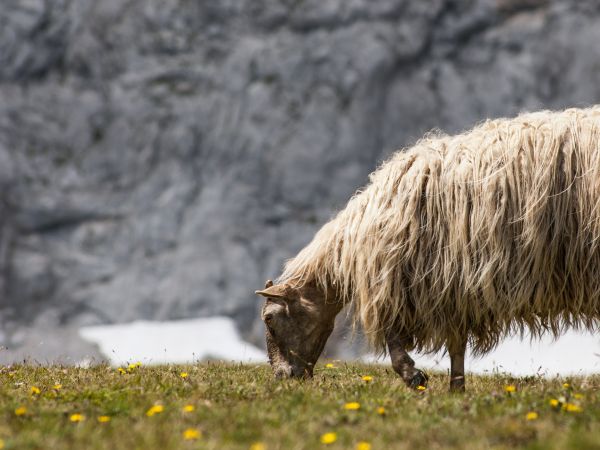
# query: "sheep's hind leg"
[[457, 366], [403, 364]]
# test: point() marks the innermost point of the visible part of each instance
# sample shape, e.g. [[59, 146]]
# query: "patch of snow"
[[182, 341], [574, 352], [217, 338]]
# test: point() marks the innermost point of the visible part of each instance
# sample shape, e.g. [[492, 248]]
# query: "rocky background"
[[159, 159]]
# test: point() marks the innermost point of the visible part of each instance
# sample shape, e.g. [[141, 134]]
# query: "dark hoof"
[[419, 379], [459, 389], [457, 384]]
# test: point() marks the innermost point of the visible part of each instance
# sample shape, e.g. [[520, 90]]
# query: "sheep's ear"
[[275, 291]]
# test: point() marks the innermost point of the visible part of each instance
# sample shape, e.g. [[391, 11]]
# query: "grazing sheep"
[[459, 239]]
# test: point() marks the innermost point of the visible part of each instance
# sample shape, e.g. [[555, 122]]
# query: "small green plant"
[[217, 406]]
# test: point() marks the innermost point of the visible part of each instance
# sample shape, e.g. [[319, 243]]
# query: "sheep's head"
[[298, 322]]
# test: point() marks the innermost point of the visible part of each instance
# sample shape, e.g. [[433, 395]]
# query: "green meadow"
[[350, 406]]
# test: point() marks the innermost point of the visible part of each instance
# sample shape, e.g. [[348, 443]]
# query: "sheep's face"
[[298, 323]]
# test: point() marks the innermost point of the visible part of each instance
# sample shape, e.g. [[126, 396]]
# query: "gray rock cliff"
[[161, 159]]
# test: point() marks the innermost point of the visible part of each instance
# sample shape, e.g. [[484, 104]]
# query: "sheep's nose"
[[283, 372]]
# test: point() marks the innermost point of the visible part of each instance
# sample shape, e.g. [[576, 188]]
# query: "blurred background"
[[160, 159]]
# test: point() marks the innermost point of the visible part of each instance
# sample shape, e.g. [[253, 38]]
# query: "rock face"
[[159, 159]]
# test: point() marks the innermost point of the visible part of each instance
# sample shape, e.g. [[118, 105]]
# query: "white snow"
[[217, 338], [180, 341], [573, 353]]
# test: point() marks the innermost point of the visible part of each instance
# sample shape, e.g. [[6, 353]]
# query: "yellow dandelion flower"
[[121, 371], [367, 378], [571, 407], [57, 387], [421, 388], [77, 417], [329, 366], [138, 364], [20, 411], [258, 446], [554, 402], [566, 385], [352, 406], [381, 411], [183, 374], [510, 388], [155, 409], [35, 390], [188, 408], [328, 438], [362, 445], [191, 434], [103, 419], [1, 444], [578, 396], [532, 415]]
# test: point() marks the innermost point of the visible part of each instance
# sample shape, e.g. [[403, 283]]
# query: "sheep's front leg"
[[403, 364], [457, 366]]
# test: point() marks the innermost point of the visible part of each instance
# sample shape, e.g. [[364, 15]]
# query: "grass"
[[236, 406]]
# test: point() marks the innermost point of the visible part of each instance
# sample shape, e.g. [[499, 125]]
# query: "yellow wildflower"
[[20, 411], [421, 388], [531, 415], [35, 390], [138, 364], [191, 434], [121, 371], [328, 438], [554, 402], [362, 445], [155, 409], [510, 388], [352, 406], [57, 387], [1, 444], [103, 419], [188, 408], [571, 407], [77, 417], [258, 446], [183, 374], [367, 378], [578, 396], [381, 411], [329, 366], [566, 385]]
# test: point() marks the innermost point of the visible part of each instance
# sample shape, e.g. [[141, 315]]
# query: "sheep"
[[458, 240]]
